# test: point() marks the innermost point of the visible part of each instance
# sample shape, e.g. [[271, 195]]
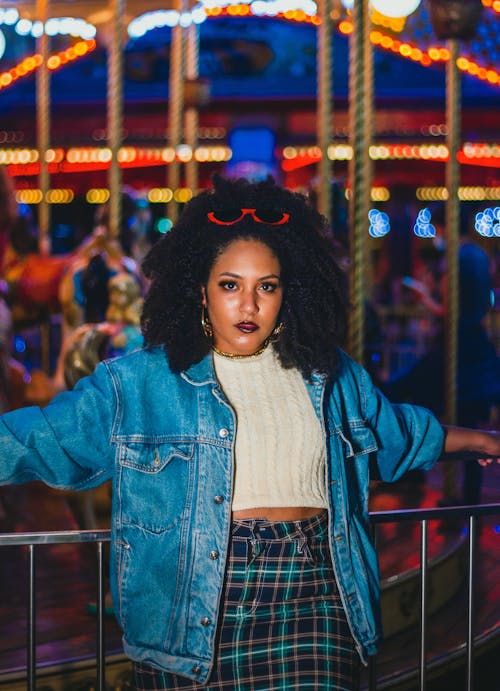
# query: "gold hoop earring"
[[276, 333], [205, 324]]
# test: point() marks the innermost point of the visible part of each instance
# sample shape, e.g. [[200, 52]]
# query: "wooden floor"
[[66, 579]]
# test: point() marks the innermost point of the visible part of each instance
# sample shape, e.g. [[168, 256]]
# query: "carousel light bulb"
[[23, 27], [10, 16], [379, 223], [423, 227], [37, 29], [395, 8]]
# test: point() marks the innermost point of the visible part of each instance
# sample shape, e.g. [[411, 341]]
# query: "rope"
[[360, 95], [43, 128], [191, 115], [115, 114], [325, 91], [368, 127], [175, 107], [453, 103]]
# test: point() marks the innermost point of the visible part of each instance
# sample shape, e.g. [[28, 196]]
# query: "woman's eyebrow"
[[262, 278]]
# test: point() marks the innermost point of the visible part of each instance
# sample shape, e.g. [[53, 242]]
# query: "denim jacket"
[[167, 442]]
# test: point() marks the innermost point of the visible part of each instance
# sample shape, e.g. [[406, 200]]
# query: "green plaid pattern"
[[282, 625]]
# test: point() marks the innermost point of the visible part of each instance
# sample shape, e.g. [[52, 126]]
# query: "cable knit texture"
[[280, 446]]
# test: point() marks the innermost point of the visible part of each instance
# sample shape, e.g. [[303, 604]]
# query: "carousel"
[[72, 308]]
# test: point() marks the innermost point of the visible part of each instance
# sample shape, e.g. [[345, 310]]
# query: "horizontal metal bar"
[[442, 513], [376, 517], [54, 537]]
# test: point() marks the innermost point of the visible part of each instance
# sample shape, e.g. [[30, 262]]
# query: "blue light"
[[19, 344], [164, 225], [487, 222], [423, 227], [496, 528], [379, 223]]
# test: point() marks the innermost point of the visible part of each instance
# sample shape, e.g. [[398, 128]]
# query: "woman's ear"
[[203, 296]]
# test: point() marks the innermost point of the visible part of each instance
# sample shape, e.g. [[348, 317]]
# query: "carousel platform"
[[66, 630]]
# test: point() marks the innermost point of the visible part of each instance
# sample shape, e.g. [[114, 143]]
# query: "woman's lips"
[[247, 327]]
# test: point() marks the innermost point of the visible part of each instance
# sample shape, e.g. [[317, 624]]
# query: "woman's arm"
[[486, 443]]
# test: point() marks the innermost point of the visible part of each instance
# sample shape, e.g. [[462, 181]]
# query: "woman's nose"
[[248, 303]]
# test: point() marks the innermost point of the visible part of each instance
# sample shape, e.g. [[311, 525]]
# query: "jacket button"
[[196, 669], [214, 554], [218, 499], [223, 432], [205, 621]]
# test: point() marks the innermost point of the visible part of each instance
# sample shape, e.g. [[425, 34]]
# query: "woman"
[[238, 442]]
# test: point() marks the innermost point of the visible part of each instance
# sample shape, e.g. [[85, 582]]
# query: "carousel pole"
[[43, 142], [43, 128], [325, 90], [191, 115], [453, 102], [360, 168], [115, 113], [175, 108]]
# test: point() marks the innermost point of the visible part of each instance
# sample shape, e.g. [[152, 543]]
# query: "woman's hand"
[[490, 450], [483, 443]]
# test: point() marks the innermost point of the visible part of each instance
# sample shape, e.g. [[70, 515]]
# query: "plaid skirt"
[[282, 625]]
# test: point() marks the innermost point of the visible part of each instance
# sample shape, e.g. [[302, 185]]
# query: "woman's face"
[[243, 296]]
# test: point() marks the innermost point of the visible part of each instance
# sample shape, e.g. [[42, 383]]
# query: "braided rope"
[[115, 114], [175, 106], [453, 103], [191, 115], [368, 127], [43, 128], [325, 91], [359, 171]]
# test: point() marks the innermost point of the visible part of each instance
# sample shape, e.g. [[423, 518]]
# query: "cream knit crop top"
[[280, 446]]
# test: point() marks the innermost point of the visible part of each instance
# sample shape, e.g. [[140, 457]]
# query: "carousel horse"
[[83, 293], [32, 278], [86, 346]]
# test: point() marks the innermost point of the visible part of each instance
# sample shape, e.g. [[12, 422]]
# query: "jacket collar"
[[201, 373]]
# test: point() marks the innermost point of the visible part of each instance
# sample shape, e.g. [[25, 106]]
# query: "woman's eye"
[[269, 287], [228, 285]]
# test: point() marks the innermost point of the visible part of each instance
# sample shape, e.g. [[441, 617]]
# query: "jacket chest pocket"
[[355, 444], [155, 483], [357, 440]]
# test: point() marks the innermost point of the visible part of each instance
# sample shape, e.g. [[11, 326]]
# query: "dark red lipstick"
[[247, 327]]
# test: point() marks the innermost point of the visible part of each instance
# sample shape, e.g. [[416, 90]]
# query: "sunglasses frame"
[[244, 212]]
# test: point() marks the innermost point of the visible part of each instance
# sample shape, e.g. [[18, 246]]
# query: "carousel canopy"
[[251, 57]]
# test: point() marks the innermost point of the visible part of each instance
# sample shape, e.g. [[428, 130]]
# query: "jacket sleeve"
[[67, 444], [408, 437]]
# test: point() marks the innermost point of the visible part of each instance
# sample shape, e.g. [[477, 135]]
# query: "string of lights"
[[54, 62], [290, 10], [486, 222]]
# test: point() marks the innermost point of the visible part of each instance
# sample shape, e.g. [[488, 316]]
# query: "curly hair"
[[314, 308]]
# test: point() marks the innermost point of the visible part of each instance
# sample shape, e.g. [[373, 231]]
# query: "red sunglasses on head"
[[228, 217]]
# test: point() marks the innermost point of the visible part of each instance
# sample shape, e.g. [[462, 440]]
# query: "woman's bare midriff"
[[282, 513]]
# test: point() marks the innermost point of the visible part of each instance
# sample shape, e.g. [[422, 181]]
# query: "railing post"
[[372, 660], [470, 604], [101, 671], [423, 604], [31, 620]]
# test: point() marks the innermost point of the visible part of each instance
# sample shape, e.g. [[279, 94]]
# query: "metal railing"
[[423, 516], [32, 541], [471, 513]]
